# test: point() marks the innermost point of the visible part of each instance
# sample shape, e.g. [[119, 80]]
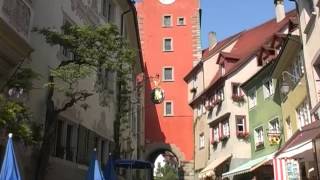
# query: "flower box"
[[243, 135], [259, 145], [193, 90], [217, 101], [237, 98], [224, 137]]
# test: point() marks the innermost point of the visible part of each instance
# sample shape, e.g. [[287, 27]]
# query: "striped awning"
[[248, 166], [209, 170]]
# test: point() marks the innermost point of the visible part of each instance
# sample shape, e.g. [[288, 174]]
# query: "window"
[[225, 129], [252, 97], [236, 90], [289, 127], [219, 95], [258, 137], [274, 126], [215, 134], [303, 114], [168, 74], [65, 144], [268, 88], [168, 108], [201, 141], [167, 21], [181, 21], [167, 44], [237, 94], [223, 70], [297, 69], [240, 125]]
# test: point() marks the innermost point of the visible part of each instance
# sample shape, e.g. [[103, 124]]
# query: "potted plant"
[[243, 135], [237, 98]]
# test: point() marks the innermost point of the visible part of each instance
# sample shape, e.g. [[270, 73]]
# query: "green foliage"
[[15, 118], [93, 49], [22, 79], [167, 172]]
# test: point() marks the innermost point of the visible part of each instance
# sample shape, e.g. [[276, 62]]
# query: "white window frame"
[[184, 21], [163, 20], [268, 91], [201, 141], [252, 102], [271, 128], [225, 127], [163, 73], [258, 136], [165, 108], [216, 133], [243, 124], [164, 44], [303, 114]]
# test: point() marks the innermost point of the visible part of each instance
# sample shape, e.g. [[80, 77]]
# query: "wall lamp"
[[285, 86]]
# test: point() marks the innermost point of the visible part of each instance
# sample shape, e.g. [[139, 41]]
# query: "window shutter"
[[220, 130], [211, 135], [244, 124]]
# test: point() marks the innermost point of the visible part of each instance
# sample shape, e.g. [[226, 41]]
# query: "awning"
[[249, 166], [298, 151], [209, 170], [300, 142]]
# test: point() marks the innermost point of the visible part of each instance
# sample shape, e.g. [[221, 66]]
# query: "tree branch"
[[82, 97]]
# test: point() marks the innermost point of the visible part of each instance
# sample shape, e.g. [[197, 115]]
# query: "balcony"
[[17, 14], [15, 25]]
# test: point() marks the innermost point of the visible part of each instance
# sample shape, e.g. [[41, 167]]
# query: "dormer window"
[[223, 71]]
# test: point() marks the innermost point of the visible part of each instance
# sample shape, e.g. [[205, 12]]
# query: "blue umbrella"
[[94, 171], [109, 172], [9, 169]]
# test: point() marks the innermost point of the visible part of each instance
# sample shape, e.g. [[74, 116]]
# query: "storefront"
[[298, 158]]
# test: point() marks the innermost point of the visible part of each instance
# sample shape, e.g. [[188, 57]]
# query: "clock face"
[[166, 1]]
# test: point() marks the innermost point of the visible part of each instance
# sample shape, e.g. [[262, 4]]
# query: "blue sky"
[[227, 17]]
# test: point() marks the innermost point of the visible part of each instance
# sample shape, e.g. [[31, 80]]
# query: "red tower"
[[170, 39]]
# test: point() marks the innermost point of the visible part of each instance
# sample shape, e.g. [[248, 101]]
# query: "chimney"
[[212, 39], [280, 12]]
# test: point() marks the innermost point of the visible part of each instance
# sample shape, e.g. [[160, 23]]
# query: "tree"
[[167, 172], [14, 115], [94, 51]]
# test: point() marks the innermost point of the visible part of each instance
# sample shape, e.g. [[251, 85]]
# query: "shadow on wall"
[[153, 132]]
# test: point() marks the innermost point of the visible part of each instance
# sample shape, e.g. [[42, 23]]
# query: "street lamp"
[[285, 85]]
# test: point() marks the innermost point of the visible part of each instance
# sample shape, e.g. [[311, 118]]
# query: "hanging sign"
[[157, 95]]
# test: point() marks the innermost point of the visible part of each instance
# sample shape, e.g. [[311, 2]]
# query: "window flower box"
[[214, 142], [243, 135], [237, 98], [259, 145], [217, 102], [193, 90], [224, 137]]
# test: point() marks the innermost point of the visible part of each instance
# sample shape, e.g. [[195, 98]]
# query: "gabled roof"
[[208, 53], [247, 46]]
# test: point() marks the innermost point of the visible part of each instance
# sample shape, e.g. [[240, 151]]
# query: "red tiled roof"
[[206, 53], [247, 45]]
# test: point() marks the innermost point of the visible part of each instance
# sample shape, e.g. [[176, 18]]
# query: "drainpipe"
[[122, 19]]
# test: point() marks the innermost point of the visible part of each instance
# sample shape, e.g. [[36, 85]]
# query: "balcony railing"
[[17, 13]]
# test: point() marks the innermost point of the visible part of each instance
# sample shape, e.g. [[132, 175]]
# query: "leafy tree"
[[95, 50], [167, 172], [14, 115]]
